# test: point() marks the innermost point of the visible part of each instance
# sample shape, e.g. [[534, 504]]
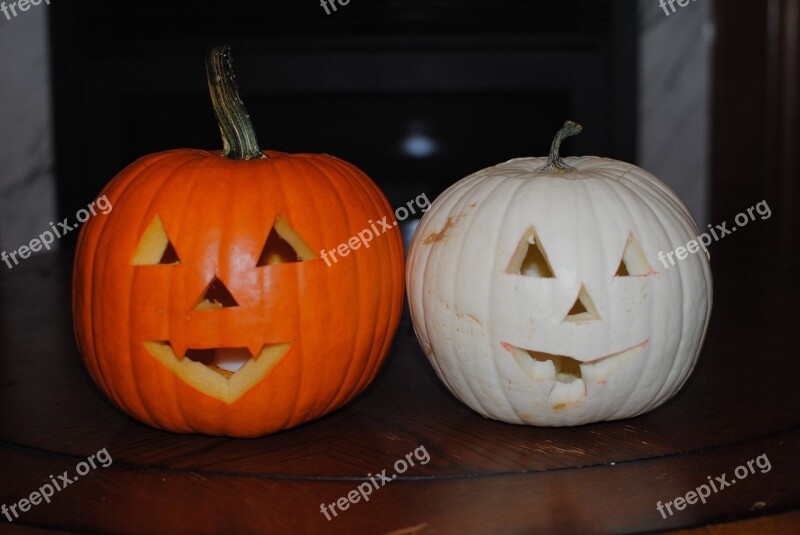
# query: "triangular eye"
[[216, 296], [529, 258], [284, 245], [155, 247], [634, 263], [583, 309]]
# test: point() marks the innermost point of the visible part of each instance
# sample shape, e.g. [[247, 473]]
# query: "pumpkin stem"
[[238, 136], [554, 162]]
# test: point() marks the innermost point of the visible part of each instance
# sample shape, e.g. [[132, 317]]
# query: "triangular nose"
[[216, 296], [583, 309]]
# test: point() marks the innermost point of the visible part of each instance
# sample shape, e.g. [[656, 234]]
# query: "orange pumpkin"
[[201, 303]]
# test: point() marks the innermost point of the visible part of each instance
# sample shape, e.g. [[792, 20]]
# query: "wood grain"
[[482, 477], [742, 401]]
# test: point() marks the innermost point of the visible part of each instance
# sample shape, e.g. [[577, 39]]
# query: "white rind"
[[465, 307]]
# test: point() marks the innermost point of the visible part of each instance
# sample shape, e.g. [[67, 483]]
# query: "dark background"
[[474, 82], [483, 82]]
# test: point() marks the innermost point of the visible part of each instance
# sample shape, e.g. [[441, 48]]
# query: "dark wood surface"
[[483, 476], [743, 400]]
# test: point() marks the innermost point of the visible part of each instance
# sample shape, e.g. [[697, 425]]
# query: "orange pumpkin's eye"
[[284, 245], [155, 246]]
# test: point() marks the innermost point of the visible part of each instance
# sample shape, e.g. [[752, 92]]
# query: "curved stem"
[[554, 162], [238, 136]]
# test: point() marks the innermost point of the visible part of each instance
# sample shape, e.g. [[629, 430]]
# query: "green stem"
[[238, 136], [554, 162]]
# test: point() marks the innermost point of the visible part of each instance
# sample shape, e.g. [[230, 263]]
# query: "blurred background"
[[417, 93]]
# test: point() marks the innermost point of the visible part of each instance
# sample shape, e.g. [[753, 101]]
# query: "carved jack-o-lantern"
[[200, 303], [536, 294]]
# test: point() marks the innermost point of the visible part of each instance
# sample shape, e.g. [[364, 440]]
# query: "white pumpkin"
[[537, 293]]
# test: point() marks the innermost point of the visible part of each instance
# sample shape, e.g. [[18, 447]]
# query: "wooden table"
[[742, 402]]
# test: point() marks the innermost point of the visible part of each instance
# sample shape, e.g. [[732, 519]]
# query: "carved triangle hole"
[[583, 309], [216, 296], [155, 246], [633, 263], [530, 259], [284, 245]]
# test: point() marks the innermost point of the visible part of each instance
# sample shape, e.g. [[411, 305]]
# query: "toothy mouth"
[[568, 374], [222, 372], [224, 360]]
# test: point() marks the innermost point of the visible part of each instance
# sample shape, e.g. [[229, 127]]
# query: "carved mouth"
[[568, 374], [221, 372], [224, 360]]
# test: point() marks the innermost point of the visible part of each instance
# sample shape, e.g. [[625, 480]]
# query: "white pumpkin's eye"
[[216, 296], [284, 245], [155, 246], [634, 263], [529, 258]]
